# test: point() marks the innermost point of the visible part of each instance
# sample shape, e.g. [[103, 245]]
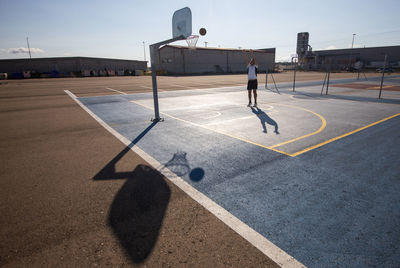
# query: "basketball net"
[[192, 41]]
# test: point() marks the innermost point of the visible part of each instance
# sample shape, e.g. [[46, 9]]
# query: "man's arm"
[[246, 57], [253, 57]]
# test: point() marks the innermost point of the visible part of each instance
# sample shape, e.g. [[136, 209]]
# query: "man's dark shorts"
[[252, 84]]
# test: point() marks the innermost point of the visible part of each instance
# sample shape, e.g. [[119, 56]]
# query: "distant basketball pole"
[[383, 75], [29, 49]]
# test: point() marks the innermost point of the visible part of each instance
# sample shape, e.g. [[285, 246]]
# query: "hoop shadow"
[[264, 118], [138, 209], [181, 167]]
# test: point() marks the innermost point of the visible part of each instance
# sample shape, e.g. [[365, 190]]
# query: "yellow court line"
[[378, 87], [304, 136], [269, 147], [342, 136], [217, 131]]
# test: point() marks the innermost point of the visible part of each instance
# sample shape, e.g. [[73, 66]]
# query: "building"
[[70, 66], [345, 59], [180, 60]]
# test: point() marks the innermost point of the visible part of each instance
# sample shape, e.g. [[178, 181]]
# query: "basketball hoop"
[[192, 41]]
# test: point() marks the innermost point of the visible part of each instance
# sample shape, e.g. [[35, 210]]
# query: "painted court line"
[[161, 90], [264, 245], [229, 120], [175, 85], [116, 90], [213, 86], [273, 148], [214, 130], [323, 125], [344, 135]]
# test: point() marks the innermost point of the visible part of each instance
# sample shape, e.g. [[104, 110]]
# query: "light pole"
[[352, 42], [144, 50], [295, 68], [351, 53]]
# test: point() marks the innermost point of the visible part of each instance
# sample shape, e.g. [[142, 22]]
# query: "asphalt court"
[[301, 169]]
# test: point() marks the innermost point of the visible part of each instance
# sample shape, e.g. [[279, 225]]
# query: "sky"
[[124, 29]]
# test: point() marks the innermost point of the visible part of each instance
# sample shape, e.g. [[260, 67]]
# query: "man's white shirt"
[[252, 71]]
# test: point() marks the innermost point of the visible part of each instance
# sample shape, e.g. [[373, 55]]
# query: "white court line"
[[158, 89], [229, 120], [216, 82], [212, 116], [222, 86], [264, 245], [212, 86], [127, 93], [115, 90], [175, 85]]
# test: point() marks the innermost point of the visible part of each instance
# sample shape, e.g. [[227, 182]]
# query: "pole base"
[[157, 119]]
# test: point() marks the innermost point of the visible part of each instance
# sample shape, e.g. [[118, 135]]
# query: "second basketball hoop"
[[192, 41]]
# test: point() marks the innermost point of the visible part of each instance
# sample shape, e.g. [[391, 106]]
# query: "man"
[[252, 83]]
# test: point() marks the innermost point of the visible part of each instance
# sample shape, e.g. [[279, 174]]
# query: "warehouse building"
[[348, 59], [70, 66], [345, 59], [180, 60]]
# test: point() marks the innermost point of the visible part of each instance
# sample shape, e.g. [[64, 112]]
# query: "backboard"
[[182, 22]]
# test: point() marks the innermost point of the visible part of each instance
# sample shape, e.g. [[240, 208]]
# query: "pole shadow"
[[138, 209], [264, 118]]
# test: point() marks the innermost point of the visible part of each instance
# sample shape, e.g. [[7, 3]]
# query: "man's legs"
[[249, 93]]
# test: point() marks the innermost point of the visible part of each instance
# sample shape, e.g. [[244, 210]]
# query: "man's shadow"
[[138, 209], [264, 118]]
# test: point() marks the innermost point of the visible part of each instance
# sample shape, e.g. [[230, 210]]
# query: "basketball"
[[202, 31]]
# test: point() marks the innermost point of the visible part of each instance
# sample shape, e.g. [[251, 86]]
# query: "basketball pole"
[[383, 75], [327, 82], [273, 79], [153, 55], [323, 85]]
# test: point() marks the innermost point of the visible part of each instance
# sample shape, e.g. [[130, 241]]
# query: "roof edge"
[[263, 50]]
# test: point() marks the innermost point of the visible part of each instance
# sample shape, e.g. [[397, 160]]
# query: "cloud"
[[25, 50], [330, 47], [283, 59]]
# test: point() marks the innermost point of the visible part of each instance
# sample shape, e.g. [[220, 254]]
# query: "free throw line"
[[214, 130]]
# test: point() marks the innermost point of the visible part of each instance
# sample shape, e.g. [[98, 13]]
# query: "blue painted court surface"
[[319, 176]]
